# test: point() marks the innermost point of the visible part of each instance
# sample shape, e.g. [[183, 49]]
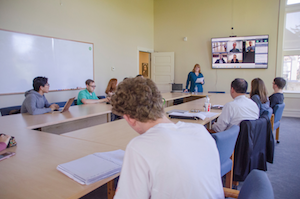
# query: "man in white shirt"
[[167, 160], [241, 108]]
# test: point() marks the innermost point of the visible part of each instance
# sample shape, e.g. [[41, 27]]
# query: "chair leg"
[[229, 178], [229, 175], [277, 135]]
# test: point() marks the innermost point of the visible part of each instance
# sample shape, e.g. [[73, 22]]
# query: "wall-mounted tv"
[[240, 52]]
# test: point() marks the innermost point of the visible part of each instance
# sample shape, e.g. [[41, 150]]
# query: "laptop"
[[177, 88], [67, 105]]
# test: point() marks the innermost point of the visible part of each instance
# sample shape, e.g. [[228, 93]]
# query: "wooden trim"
[[232, 193]]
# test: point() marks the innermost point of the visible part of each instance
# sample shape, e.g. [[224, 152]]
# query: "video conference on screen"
[[240, 52]]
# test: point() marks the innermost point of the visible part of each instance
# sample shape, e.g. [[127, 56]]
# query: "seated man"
[[220, 60], [241, 108], [277, 97], [250, 48], [167, 160], [35, 102], [88, 96]]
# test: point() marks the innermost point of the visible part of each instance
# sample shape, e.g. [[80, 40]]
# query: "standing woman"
[[111, 87], [192, 77], [258, 94]]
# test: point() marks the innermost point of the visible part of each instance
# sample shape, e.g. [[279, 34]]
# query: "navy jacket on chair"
[[254, 147]]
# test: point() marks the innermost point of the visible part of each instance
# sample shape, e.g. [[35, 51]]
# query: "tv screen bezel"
[[242, 38]]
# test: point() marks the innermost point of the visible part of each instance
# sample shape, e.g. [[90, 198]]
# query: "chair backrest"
[[278, 110], [225, 141], [269, 112], [257, 185], [10, 110], [101, 96]]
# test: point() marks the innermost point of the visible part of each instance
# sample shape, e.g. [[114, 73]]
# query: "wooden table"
[[32, 172]]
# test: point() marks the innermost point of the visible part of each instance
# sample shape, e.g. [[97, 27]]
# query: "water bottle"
[[196, 89], [207, 104]]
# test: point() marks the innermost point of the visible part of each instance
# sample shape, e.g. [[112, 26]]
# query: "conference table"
[[32, 173]]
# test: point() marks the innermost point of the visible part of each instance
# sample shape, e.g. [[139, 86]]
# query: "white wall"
[[116, 27], [201, 20]]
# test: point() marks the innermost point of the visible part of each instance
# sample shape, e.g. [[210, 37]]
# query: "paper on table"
[[94, 167], [200, 80], [209, 114], [188, 114]]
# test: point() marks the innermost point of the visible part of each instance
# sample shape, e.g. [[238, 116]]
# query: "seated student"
[[4, 139], [167, 160], [111, 87], [88, 96], [258, 94], [277, 97], [35, 102], [241, 108]]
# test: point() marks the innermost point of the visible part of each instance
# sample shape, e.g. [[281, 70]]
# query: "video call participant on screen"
[[35, 101], [234, 60], [277, 97], [150, 169], [241, 108], [234, 49], [88, 96], [220, 60], [250, 48]]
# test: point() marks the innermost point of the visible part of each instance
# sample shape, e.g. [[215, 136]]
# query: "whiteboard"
[[67, 64]]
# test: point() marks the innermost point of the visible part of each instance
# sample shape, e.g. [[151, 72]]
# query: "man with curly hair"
[[167, 160]]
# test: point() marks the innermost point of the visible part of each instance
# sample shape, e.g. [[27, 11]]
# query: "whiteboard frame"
[[16, 93]]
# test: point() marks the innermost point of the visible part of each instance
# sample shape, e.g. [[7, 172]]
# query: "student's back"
[[178, 160]]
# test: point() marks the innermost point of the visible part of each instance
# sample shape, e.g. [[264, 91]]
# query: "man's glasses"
[[93, 86]]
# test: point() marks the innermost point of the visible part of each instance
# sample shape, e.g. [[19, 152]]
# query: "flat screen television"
[[240, 52]]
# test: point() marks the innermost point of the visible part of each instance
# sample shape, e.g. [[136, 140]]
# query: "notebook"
[[94, 167]]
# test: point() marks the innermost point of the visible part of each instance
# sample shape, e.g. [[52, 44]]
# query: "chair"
[[276, 117], [254, 147], [10, 110], [268, 112], [225, 141], [216, 91], [257, 185]]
